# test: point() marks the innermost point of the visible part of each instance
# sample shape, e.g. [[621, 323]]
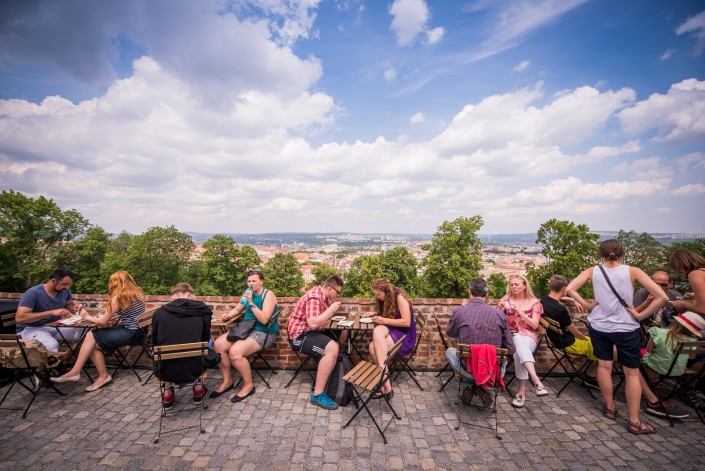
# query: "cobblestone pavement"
[[114, 427]]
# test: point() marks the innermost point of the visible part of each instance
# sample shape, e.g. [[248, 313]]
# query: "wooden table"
[[77, 323], [224, 326]]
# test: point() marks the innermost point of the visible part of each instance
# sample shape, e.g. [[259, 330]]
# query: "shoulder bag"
[[244, 328]]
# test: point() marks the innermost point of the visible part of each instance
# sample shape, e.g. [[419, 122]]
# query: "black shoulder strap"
[[607, 278]]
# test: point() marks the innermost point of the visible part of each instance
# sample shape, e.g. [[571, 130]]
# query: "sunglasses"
[[663, 285], [336, 289]]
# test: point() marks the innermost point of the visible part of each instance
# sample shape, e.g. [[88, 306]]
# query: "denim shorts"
[[112, 338], [628, 346]]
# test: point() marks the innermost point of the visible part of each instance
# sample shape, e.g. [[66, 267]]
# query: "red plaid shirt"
[[311, 304]]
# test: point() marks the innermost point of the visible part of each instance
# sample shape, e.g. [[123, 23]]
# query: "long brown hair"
[[685, 261], [123, 287], [389, 306]]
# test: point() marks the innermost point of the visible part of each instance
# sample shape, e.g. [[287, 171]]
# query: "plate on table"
[[345, 323], [337, 318], [365, 320]]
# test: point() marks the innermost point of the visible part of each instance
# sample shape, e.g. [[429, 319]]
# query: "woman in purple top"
[[395, 319]]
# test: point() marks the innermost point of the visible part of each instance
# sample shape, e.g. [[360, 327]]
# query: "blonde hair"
[[529, 291], [677, 332], [122, 287], [387, 308]]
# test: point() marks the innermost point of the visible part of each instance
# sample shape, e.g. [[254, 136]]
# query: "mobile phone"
[[507, 305]]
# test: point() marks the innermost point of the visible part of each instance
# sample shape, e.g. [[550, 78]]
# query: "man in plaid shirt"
[[477, 323], [306, 322]]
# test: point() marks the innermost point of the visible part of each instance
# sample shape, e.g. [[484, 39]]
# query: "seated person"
[[573, 341], [259, 304], [658, 357], [664, 316], [477, 323], [183, 320], [45, 303], [127, 302], [305, 331]]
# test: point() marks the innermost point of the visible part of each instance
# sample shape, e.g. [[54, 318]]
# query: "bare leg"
[[98, 360], [522, 386], [238, 358], [325, 366], [531, 369], [604, 379], [84, 354], [632, 392], [222, 346]]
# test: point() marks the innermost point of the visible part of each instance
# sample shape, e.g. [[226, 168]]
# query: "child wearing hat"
[[658, 357]]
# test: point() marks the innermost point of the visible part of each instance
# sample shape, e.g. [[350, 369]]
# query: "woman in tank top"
[[614, 323], [692, 265]]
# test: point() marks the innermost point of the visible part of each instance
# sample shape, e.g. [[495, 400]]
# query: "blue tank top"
[[258, 300]]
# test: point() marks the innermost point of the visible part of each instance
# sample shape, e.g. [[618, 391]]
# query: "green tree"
[[283, 276], [158, 258], [320, 274], [643, 251], [498, 285], [569, 249], [85, 255], [219, 275], [360, 275], [31, 228], [453, 258]]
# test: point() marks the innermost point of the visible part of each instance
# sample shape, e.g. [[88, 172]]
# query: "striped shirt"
[[128, 317], [312, 304]]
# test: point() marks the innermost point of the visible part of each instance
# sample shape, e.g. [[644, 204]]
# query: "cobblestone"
[[278, 429]]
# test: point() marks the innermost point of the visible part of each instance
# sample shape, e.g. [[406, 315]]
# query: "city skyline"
[[256, 116]]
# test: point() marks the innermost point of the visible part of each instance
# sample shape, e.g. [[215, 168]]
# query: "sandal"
[[609, 413], [639, 428]]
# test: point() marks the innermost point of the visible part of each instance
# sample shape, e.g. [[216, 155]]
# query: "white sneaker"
[[518, 401], [541, 390]]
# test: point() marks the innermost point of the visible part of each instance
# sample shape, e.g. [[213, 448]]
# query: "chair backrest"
[[690, 348], [552, 325], [440, 331], [465, 352], [180, 350], [8, 320], [145, 319]]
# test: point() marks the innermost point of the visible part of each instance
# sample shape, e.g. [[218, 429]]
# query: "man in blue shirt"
[[46, 303]]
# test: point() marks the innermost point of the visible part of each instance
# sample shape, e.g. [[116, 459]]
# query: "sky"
[[357, 116]]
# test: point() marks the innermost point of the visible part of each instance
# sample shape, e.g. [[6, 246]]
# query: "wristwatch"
[[252, 305]]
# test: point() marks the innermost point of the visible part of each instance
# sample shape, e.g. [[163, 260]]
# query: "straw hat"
[[692, 321]]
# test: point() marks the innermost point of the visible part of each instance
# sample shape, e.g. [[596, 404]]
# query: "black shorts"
[[628, 346], [312, 343]]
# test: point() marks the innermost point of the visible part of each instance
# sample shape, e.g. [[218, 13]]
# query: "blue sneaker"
[[322, 400]]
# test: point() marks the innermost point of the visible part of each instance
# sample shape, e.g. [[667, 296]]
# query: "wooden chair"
[[23, 371], [445, 347], [420, 320], [260, 354], [141, 340], [464, 353], [690, 348], [574, 372], [370, 378], [176, 352]]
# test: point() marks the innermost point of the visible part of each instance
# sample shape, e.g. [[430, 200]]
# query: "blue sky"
[[359, 116]]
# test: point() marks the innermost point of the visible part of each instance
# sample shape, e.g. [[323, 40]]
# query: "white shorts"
[[50, 337]]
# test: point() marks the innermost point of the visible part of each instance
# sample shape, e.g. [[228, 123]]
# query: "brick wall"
[[430, 354]]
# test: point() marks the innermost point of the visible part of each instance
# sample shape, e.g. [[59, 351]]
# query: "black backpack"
[[337, 388]]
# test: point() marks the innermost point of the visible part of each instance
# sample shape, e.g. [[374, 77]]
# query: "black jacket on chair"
[[183, 321]]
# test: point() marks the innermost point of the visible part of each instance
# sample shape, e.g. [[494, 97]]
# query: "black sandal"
[[640, 428], [609, 413]]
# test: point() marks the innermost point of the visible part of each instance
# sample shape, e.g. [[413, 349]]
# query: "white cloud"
[[409, 20], [677, 115], [523, 65], [691, 162], [695, 26], [390, 73], [417, 118], [667, 54], [690, 189]]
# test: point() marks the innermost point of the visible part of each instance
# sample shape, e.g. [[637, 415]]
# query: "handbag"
[[241, 331], [619, 298]]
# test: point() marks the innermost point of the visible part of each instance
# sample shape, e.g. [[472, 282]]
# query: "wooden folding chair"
[[574, 372], [176, 352], [445, 347], [690, 348], [370, 378], [23, 371], [142, 340], [464, 353], [260, 354], [420, 320]]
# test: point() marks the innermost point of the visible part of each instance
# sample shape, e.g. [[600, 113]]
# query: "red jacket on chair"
[[483, 366]]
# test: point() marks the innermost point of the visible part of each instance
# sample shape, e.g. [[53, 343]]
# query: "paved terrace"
[[114, 427]]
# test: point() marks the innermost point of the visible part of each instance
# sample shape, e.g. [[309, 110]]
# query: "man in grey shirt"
[[642, 299]]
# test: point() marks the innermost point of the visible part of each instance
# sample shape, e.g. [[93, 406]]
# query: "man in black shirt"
[[572, 340]]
